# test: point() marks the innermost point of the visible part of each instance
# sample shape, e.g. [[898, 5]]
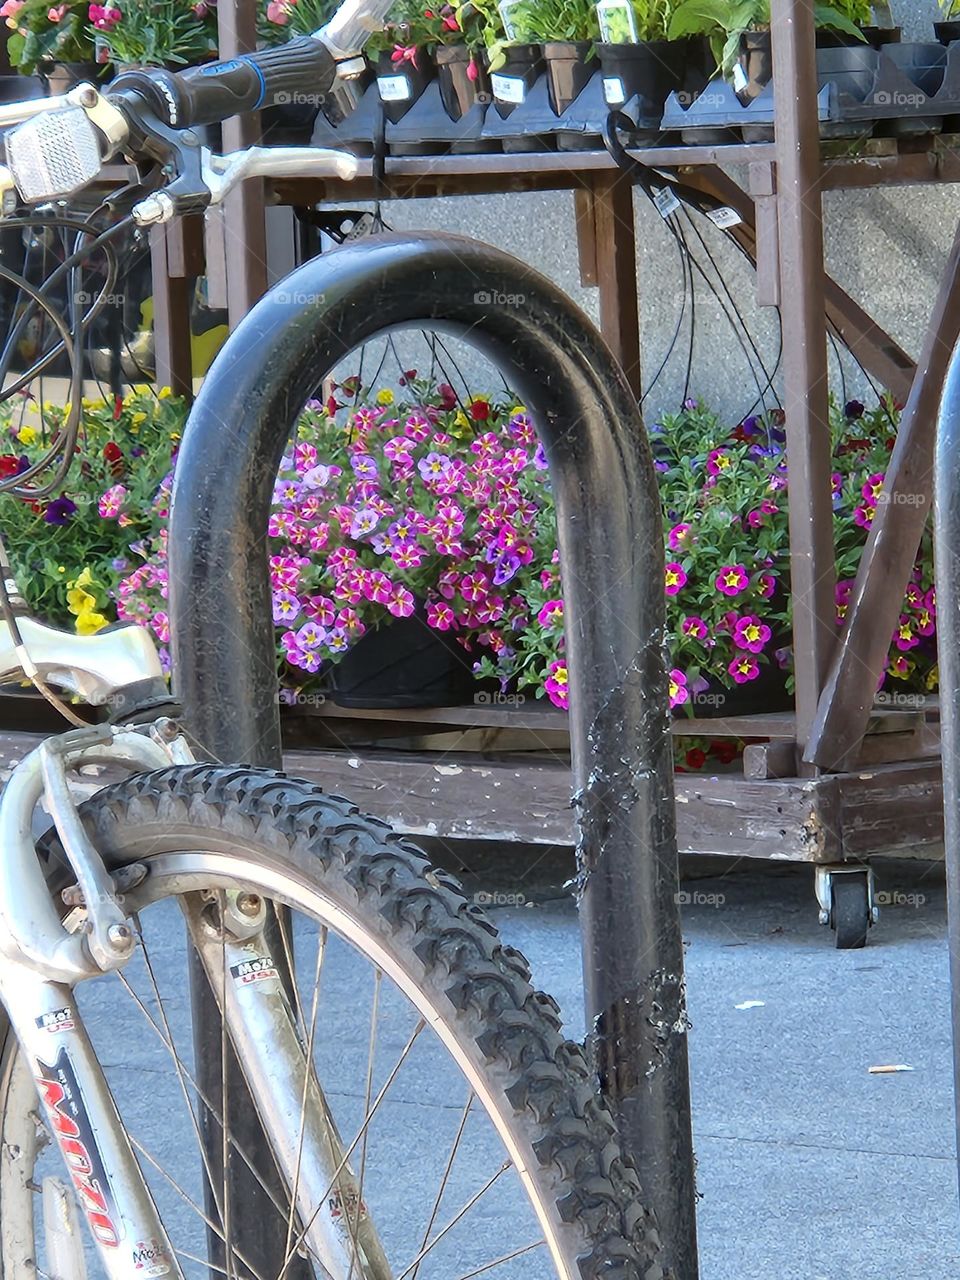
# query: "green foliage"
[[36, 38], [156, 33], [725, 22], [651, 19]]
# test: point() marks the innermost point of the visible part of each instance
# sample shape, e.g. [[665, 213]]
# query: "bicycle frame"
[[45, 957]]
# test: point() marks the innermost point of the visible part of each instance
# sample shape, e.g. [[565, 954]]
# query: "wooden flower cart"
[[838, 780]]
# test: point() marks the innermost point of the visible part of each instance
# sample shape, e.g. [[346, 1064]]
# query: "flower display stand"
[[838, 779]]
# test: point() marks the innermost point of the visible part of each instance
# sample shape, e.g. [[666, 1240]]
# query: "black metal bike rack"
[[611, 553], [946, 497]]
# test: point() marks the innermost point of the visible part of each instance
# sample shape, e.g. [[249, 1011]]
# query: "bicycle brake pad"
[[53, 154]]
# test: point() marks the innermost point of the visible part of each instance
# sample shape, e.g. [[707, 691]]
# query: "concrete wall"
[[887, 248]]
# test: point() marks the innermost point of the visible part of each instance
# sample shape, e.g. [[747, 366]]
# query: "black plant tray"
[[901, 89]]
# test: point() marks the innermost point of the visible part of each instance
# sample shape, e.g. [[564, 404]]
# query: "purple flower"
[[286, 606], [433, 467], [540, 459], [60, 511], [364, 467], [364, 522]]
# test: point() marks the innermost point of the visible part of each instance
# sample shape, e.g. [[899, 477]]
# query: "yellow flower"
[[137, 418], [27, 435], [933, 679], [61, 568], [89, 403], [89, 622], [385, 396], [461, 420], [79, 600], [164, 393]]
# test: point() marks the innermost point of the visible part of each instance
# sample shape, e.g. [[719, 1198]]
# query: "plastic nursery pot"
[[852, 68], [568, 71], [513, 80], [458, 92], [649, 71], [924, 65], [344, 98], [947, 32], [874, 37], [61, 77], [404, 663], [400, 84]]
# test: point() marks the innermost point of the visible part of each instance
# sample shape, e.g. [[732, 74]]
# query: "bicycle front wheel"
[[473, 1129]]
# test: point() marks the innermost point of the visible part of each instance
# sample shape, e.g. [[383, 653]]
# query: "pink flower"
[[863, 516], [678, 539], [551, 615], [750, 633], [56, 12], [401, 602], [103, 17], [905, 638], [872, 488], [557, 685], [679, 693], [278, 12], [744, 668], [675, 577], [111, 502], [474, 587], [440, 616], [695, 627], [766, 585], [731, 580], [9, 10], [718, 461]]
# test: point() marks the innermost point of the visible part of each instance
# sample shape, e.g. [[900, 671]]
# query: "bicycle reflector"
[[53, 154]]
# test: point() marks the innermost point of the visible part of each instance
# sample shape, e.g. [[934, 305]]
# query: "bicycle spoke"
[[421, 1023], [455, 1219], [307, 1072], [367, 1090], [444, 1180], [498, 1262], [224, 1087]]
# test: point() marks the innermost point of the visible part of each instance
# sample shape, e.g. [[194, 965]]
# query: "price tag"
[[740, 80], [724, 217], [613, 91], [393, 88], [665, 201], [508, 88]]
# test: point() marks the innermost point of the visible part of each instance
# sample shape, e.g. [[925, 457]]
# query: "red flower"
[[479, 410], [112, 452], [448, 397], [11, 465], [696, 758], [725, 749]]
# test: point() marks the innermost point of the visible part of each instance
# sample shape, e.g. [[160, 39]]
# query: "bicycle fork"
[[42, 961]]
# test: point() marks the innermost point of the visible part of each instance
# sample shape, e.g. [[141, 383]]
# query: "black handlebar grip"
[[208, 94]]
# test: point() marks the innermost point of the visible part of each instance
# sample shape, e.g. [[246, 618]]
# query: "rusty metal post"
[[611, 549]]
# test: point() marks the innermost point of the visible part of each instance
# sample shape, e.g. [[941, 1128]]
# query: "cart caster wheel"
[[850, 914]]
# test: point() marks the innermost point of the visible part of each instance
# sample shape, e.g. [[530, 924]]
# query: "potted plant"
[[739, 32], [638, 56], [155, 33], [401, 53], [51, 40], [948, 28]]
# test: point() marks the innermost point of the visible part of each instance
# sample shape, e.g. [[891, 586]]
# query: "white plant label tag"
[[508, 88], [724, 217], [394, 88], [613, 91], [665, 201], [740, 80]]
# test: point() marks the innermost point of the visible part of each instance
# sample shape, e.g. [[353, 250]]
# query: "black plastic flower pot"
[[852, 68], [873, 37], [460, 87], [515, 77], [344, 98], [568, 71], [925, 66], [404, 663], [947, 32], [401, 83], [649, 71], [61, 77]]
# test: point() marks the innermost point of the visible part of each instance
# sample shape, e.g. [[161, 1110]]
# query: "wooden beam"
[[813, 570], [586, 223], [173, 359], [616, 266], [891, 549]]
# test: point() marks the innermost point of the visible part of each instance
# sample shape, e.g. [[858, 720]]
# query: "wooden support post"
[[891, 549], [244, 228], [813, 570], [170, 264], [586, 221], [616, 270]]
